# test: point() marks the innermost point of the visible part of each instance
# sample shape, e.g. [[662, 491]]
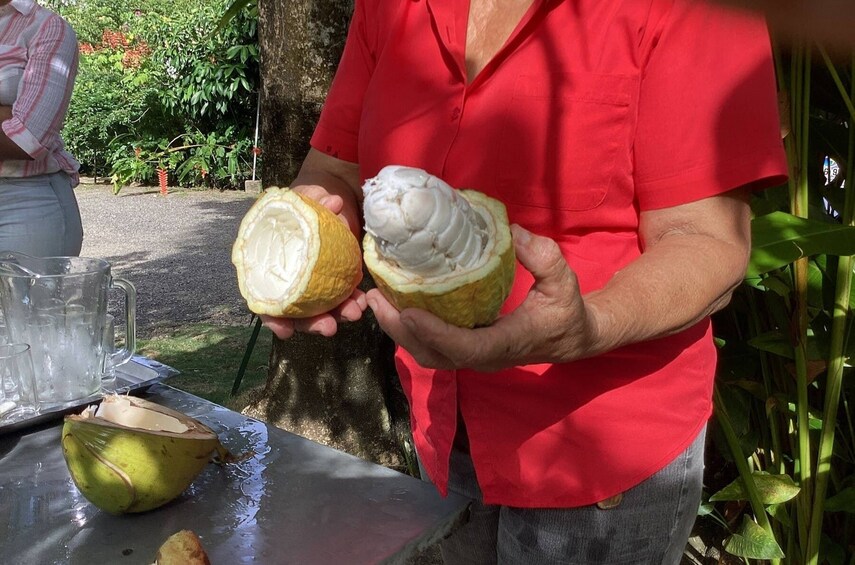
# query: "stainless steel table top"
[[295, 502]]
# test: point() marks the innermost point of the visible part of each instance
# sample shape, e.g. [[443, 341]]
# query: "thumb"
[[542, 257], [333, 203]]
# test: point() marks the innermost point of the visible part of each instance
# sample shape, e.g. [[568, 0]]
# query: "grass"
[[209, 358]]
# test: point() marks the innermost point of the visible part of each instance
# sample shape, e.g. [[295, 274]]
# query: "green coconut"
[[131, 455]]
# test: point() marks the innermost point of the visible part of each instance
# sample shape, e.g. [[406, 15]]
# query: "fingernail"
[[521, 235], [372, 304]]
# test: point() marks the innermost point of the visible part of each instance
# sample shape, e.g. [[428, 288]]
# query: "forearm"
[[675, 285], [694, 256], [8, 149]]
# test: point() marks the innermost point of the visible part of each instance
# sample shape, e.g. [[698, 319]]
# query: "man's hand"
[[348, 311], [551, 325], [323, 324]]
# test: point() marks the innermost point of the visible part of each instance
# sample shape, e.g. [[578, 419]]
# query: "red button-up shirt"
[[593, 111]]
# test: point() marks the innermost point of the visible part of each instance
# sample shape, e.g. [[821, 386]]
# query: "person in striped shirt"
[[39, 215]]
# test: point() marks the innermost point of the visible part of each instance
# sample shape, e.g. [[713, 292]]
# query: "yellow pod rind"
[[294, 258], [466, 299]]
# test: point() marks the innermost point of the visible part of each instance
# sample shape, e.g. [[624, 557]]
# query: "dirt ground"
[[175, 249]]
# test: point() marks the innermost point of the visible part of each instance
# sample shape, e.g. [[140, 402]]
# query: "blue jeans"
[[650, 525], [39, 216]]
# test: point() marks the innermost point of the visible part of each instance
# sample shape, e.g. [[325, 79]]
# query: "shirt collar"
[[22, 6]]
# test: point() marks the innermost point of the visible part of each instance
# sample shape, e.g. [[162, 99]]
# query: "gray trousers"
[[650, 525], [39, 216]]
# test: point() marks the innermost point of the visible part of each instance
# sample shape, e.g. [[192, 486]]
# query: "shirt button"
[[455, 114]]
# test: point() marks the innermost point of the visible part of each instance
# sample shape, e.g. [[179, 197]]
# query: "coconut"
[[294, 257], [430, 246], [131, 455]]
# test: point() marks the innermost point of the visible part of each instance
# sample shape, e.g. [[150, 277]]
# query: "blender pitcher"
[[58, 305]]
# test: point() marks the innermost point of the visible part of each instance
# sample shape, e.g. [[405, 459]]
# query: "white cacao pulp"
[[421, 224]]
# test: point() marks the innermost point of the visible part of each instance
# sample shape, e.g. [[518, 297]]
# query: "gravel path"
[[175, 249]]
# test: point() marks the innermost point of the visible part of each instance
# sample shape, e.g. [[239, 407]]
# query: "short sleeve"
[[337, 131], [708, 115]]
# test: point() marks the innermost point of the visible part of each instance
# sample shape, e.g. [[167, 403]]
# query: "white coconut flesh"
[[422, 226], [280, 251], [127, 412], [124, 413]]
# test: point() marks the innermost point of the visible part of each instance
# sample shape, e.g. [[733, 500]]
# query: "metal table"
[[295, 502]]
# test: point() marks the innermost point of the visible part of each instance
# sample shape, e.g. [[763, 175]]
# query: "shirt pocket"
[[566, 137]]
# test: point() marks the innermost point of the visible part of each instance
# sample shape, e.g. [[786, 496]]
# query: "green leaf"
[[773, 342], [780, 238], [753, 542], [738, 407], [777, 285], [773, 489], [779, 513], [778, 343], [832, 553], [843, 501], [706, 509], [230, 13], [814, 418]]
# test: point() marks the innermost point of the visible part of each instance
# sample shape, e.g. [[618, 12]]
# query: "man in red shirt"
[[623, 137]]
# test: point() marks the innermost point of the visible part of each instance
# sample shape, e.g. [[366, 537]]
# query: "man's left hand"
[[551, 325]]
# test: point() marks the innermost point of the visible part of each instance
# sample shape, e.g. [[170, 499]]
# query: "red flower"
[[162, 179]]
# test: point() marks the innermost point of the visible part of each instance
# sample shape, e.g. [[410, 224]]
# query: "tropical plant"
[[114, 96], [198, 159], [156, 73], [782, 399]]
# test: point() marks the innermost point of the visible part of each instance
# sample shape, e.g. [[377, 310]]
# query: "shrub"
[[157, 88]]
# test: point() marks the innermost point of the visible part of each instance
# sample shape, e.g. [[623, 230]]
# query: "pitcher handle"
[[123, 355]]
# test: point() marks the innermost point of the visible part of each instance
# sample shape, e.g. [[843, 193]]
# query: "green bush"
[[156, 88]]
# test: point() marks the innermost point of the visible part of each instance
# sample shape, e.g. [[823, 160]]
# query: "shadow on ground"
[[186, 276]]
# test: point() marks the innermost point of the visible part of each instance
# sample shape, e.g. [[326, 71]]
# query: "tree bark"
[[340, 391], [301, 42]]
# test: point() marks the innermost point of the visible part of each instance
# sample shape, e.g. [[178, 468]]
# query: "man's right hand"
[[323, 324], [348, 311]]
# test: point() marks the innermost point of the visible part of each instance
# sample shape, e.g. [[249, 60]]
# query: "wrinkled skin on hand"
[[551, 325]]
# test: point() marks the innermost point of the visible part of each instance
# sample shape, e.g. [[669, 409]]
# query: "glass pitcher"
[[58, 305]]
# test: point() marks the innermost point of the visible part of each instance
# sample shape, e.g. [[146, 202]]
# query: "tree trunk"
[[301, 43], [340, 391]]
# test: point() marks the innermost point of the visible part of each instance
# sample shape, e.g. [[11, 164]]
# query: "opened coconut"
[[294, 257], [132, 455], [432, 247]]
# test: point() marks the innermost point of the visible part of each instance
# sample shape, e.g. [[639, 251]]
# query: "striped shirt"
[[38, 65]]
